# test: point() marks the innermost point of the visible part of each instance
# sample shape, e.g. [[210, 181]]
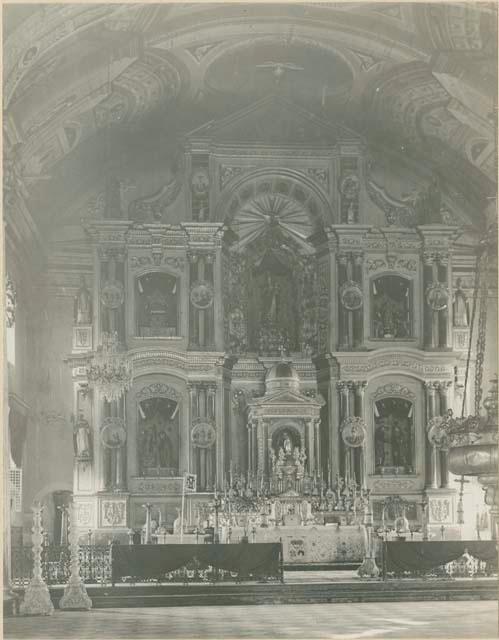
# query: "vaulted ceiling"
[[93, 89]]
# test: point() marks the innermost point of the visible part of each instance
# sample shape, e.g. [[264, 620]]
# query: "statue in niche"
[[81, 437], [391, 310], [158, 437], [393, 436], [83, 304], [460, 307], [157, 305]]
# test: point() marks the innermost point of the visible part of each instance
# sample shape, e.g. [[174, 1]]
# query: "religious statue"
[[82, 438], [271, 308], [460, 307], [83, 304]]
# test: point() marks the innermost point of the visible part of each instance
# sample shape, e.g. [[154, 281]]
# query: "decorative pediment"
[[285, 398], [273, 121]]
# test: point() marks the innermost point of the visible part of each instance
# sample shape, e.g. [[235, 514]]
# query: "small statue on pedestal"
[[83, 304], [81, 438]]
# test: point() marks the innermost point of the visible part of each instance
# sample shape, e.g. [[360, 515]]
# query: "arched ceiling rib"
[[418, 78]]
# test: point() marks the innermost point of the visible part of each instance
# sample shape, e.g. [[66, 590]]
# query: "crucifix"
[[460, 508]]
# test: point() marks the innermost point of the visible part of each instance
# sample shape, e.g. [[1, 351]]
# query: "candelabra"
[[75, 594], [368, 568], [110, 370], [37, 597]]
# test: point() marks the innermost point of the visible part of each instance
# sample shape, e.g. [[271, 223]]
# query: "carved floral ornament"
[[394, 389], [158, 390], [112, 294], [351, 296], [203, 434], [113, 433], [202, 295], [437, 296], [353, 431]]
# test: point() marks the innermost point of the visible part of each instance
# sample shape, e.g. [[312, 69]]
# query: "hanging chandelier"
[[472, 441], [110, 370]]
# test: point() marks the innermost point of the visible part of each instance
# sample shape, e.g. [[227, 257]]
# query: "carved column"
[[254, 446], [345, 335], [193, 412], [194, 339], [358, 314], [444, 389], [317, 439], [344, 394], [112, 290], [428, 278], [433, 451], [250, 448], [309, 426], [360, 391]]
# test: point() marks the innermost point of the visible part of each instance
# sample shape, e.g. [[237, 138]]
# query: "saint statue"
[[82, 438], [83, 304], [460, 307], [287, 445]]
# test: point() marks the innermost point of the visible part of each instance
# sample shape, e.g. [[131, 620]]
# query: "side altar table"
[[244, 561]]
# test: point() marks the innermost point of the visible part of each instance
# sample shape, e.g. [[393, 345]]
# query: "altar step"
[[288, 593]]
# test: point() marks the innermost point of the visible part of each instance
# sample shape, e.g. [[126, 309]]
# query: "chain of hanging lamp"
[[479, 303]]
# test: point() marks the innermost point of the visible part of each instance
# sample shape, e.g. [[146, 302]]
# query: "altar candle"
[[159, 517]]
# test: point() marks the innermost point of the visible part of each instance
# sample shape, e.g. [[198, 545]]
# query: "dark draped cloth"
[[422, 556], [18, 423], [153, 561]]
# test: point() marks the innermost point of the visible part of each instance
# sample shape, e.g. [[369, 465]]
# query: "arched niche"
[[157, 307], [291, 186], [394, 411], [391, 307], [158, 431], [271, 294]]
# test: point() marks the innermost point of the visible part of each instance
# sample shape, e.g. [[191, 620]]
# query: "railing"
[[95, 564]]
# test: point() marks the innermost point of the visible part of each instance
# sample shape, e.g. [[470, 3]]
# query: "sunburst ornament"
[[270, 212]]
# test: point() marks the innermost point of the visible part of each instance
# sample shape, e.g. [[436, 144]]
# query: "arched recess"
[[291, 185], [391, 306], [271, 293], [395, 419], [156, 411], [157, 303]]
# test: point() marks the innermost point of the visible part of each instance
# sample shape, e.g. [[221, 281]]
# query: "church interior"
[[250, 286]]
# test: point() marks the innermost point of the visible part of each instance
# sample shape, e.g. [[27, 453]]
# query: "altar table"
[[313, 544], [145, 562]]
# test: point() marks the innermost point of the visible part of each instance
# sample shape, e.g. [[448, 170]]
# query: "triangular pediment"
[[285, 397], [273, 121]]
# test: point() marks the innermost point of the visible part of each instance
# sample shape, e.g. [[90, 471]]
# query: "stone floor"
[[394, 620]]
